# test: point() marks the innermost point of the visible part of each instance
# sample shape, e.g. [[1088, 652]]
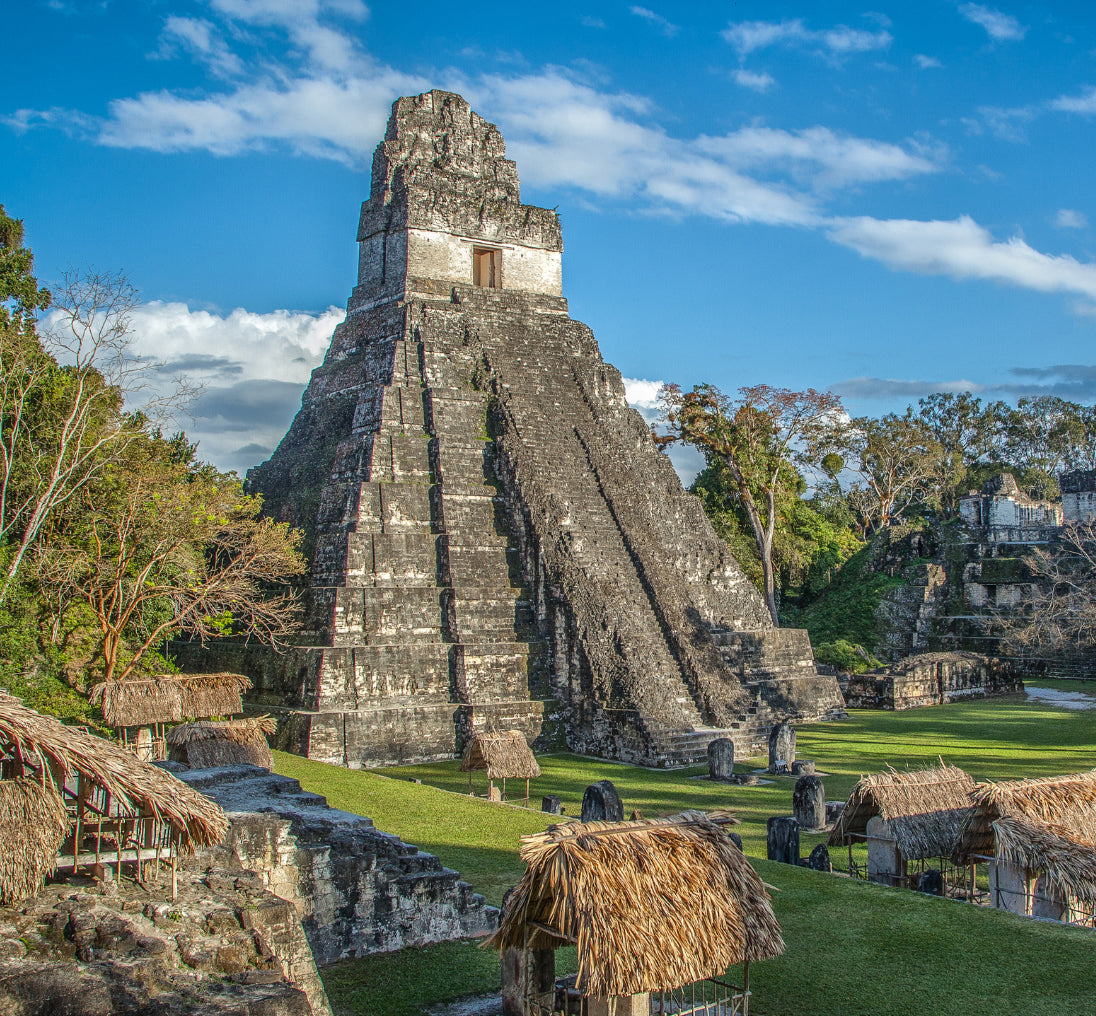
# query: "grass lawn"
[[852, 949]]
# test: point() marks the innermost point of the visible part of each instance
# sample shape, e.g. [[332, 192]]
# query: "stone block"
[[809, 802], [782, 839], [781, 747], [601, 803], [819, 859], [885, 861], [721, 759]]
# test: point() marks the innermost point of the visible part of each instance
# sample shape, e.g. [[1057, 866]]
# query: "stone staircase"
[[364, 890]]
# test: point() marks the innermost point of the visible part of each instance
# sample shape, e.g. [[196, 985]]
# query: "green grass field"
[[853, 949]]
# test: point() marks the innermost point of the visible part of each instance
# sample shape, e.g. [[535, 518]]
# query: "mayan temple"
[[495, 539]]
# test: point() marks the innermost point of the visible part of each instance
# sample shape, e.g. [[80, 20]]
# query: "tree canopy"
[[113, 538]]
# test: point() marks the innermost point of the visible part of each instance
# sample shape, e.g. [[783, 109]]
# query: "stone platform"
[[360, 890]]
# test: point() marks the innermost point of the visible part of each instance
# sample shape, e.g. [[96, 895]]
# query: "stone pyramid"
[[495, 540]]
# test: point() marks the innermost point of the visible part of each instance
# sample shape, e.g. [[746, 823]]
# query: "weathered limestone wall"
[[357, 890], [1078, 495], [230, 943], [933, 679], [495, 537]]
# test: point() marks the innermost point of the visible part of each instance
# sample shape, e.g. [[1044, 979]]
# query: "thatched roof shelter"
[[43, 746], [503, 754], [924, 808], [169, 698], [1040, 809], [209, 743], [651, 905], [33, 822], [1069, 864]]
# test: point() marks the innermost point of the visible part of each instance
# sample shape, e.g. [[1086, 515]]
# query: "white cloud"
[[1068, 381], [307, 114], [641, 393], [69, 121], [840, 41], [563, 132], [926, 62], [562, 129], [1070, 218], [963, 249], [898, 388], [642, 396], [1007, 124], [1085, 103], [757, 82], [201, 39], [659, 22], [1000, 27], [253, 368], [827, 158]]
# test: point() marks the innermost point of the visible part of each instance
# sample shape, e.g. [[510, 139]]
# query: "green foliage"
[[845, 609], [158, 544], [813, 538], [32, 667], [20, 296], [848, 657]]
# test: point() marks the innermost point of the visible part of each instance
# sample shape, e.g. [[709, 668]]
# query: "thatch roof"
[[1066, 802], [504, 754], [33, 826], [134, 786], [209, 743], [924, 808], [1069, 864], [169, 698], [651, 905]]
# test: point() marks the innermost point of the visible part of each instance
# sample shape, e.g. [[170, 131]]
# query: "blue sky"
[[884, 201]]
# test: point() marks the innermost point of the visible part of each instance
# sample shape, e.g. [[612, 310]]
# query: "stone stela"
[[495, 540]]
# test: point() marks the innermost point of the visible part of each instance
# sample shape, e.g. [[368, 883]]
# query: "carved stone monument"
[[495, 540], [782, 839], [809, 802], [721, 759], [781, 747], [601, 803]]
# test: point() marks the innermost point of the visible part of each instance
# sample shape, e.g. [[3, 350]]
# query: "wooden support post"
[[76, 837], [174, 882]]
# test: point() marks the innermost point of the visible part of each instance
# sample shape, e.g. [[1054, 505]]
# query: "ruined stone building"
[[1078, 495], [495, 539], [1007, 514]]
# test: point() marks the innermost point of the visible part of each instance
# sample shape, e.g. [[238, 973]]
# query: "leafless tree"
[[1059, 615]]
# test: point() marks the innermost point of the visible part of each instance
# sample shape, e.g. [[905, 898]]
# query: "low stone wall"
[[932, 679], [358, 890]]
